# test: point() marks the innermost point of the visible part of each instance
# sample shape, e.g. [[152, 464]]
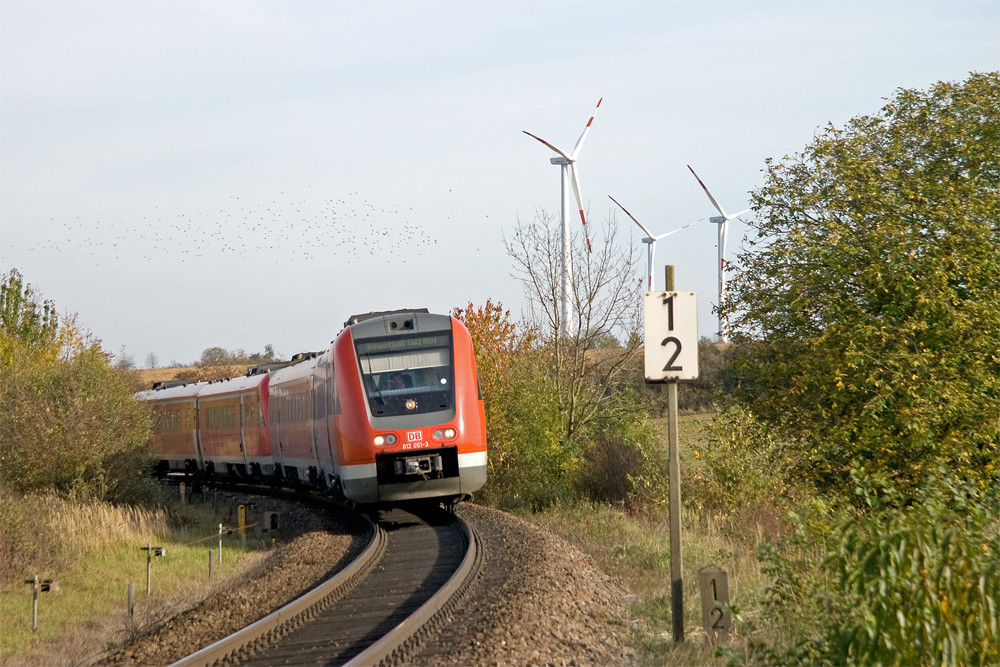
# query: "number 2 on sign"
[[673, 357]]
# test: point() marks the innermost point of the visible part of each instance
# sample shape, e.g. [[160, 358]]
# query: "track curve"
[[394, 596]]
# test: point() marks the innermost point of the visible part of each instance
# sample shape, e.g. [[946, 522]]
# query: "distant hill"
[[149, 376]]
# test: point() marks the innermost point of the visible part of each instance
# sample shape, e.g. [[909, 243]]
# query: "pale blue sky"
[[193, 174]]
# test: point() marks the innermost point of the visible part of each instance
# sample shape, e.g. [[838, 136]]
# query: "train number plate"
[[415, 440]]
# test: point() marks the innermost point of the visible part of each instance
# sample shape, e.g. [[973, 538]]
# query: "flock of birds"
[[284, 227]]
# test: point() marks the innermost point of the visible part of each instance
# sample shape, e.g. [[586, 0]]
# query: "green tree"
[[23, 317], [69, 423], [867, 309], [528, 467], [215, 356]]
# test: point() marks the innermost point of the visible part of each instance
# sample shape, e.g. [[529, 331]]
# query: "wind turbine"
[[651, 240], [723, 222], [568, 174]]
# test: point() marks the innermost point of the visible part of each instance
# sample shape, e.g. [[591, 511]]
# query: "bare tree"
[[587, 365]]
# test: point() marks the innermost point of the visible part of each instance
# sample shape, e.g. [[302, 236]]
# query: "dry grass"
[[91, 526], [94, 551], [634, 548]]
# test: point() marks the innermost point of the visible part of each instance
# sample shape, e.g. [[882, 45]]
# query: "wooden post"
[[131, 599], [149, 566], [674, 480], [211, 563]]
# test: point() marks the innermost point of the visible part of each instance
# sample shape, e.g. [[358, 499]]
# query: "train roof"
[[297, 369], [400, 322], [172, 390], [242, 383], [354, 319]]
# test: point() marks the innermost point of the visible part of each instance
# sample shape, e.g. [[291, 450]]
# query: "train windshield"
[[405, 375]]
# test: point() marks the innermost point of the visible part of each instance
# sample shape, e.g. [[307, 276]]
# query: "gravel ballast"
[[538, 600]]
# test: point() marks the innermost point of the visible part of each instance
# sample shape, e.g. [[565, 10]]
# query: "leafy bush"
[[623, 462], [528, 467], [741, 472], [907, 581], [70, 422]]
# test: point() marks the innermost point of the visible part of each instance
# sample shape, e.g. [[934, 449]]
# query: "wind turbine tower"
[[723, 222], [568, 174], [650, 241]]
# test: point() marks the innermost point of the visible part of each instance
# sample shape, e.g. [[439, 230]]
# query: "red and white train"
[[391, 412]]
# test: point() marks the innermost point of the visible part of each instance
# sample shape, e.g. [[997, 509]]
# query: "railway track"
[[377, 610]]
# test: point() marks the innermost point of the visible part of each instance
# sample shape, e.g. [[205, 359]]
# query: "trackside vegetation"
[[867, 306], [76, 497], [70, 424], [855, 443]]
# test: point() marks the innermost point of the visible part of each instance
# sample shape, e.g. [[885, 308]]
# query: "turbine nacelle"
[[650, 239]]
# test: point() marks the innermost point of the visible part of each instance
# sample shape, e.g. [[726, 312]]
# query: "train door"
[[274, 426], [310, 395], [248, 434], [199, 445], [321, 432], [189, 413]]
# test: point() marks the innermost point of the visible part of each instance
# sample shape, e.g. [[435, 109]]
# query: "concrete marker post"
[[713, 583]]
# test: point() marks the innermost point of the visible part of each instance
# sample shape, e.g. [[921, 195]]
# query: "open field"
[[94, 551]]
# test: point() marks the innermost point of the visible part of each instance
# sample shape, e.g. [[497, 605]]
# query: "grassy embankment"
[[634, 548], [93, 551]]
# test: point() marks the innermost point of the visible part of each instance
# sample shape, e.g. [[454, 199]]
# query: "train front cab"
[[411, 423]]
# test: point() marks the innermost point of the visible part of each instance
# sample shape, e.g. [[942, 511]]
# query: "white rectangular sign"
[[671, 330]]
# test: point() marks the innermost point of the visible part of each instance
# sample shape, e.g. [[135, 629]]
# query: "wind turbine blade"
[[736, 215], [579, 142], [714, 203], [641, 226], [557, 150], [663, 236], [579, 201]]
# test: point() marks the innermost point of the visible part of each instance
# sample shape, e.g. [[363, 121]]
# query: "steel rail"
[[281, 621], [396, 645]]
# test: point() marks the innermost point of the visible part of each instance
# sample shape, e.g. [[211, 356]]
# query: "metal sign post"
[[671, 355]]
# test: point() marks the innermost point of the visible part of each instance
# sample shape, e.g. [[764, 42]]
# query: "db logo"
[[414, 436]]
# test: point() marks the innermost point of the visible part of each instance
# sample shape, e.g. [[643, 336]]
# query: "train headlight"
[[383, 439], [447, 433], [411, 404]]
